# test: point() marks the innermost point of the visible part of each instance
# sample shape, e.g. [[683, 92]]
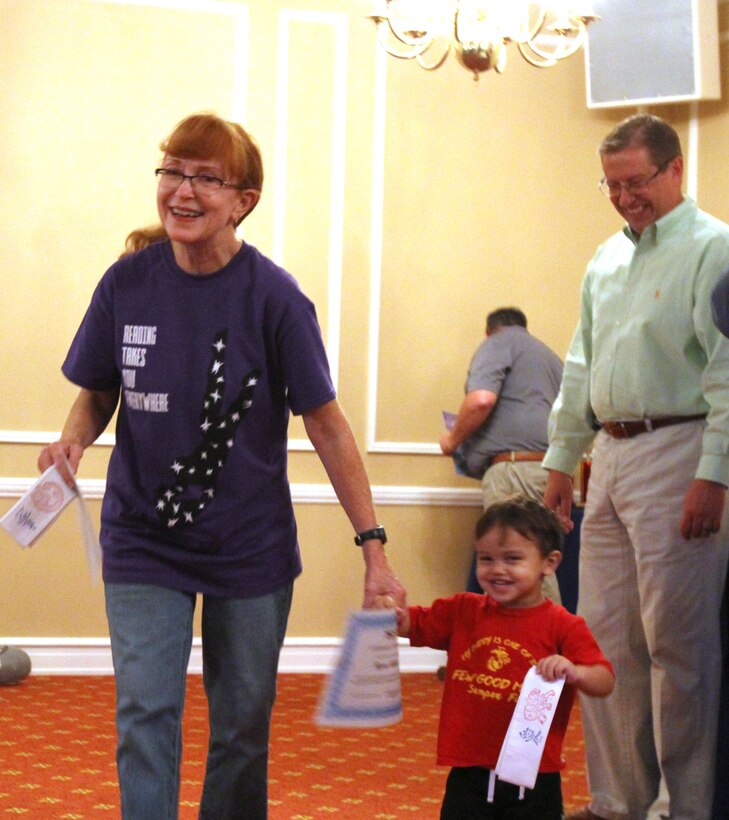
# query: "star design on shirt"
[[218, 427]]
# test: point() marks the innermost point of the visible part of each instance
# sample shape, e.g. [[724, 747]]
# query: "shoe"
[[583, 814]]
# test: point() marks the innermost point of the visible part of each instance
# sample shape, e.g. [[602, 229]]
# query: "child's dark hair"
[[528, 517]]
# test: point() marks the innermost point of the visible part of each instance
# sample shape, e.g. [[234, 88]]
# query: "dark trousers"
[[721, 783], [467, 791]]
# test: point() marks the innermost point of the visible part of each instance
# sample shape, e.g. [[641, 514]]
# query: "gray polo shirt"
[[526, 375]]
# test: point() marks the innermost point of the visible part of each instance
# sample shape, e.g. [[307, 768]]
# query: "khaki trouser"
[[652, 600]]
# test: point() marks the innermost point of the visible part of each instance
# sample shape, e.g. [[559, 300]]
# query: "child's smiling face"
[[510, 567]]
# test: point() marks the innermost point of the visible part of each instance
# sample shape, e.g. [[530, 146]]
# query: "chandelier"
[[480, 30]]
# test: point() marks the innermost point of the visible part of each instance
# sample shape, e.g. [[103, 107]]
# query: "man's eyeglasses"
[[170, 179], [614, 189]]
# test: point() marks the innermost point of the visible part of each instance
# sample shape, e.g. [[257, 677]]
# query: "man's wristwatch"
[[368, 535]]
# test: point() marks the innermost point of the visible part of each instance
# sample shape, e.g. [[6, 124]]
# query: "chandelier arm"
[[500, 61], [438, 63], [534, 28], [542, 62], [414, 50], [482, 43], [570, 44], [539, 22]]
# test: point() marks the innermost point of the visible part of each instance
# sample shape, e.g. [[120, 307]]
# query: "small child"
[[492, 640]]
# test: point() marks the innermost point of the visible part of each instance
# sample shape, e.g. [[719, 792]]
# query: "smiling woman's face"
[[191, 216]]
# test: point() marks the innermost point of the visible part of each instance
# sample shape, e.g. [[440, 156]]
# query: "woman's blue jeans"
[[151, 638]]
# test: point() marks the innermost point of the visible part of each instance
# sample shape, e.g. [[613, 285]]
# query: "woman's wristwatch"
[[377, 532]]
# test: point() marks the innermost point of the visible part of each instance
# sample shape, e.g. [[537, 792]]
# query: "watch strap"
[[377, 532]]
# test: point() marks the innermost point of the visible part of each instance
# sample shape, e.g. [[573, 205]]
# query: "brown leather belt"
[[515, 455], [628, 429]]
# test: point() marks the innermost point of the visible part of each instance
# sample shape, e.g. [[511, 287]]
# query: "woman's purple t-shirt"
[[197, 495]]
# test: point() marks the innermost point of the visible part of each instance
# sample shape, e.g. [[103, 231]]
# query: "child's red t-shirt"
[[490, 649]]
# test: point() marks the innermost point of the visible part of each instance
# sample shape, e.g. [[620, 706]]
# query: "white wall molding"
[[692, 152], [376, 235], [377, 206], [91, 488], [384, 496], [339, 23], [92, 656], [42, 437], [46, 437], [393, 496]]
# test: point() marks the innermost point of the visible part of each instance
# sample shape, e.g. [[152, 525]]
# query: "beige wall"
[[407, 204]]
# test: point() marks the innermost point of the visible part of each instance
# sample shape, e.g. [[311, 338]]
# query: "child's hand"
[[403, 621], [596, 680], [554, 667], [402, 614]]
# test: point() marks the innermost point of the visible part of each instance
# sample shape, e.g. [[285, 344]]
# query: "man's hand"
[[702, 509], [558, 497], [446, 443], [473, 412]]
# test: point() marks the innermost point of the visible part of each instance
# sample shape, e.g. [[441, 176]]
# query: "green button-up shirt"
[[646, 345]]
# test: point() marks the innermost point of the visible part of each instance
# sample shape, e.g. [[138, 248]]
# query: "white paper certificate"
[[28, 518], [364, 688], [31, 516]]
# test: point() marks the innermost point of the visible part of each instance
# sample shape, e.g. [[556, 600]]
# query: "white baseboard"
[[92, 656]]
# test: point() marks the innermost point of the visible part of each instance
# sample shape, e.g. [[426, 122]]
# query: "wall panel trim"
[[339, 23], [92, 489], [92, 656]]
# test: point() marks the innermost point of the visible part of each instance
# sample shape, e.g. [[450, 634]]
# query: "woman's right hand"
[[90, 413], [63, 454]]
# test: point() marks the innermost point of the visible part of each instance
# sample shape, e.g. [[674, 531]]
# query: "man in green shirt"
[[647, 362]]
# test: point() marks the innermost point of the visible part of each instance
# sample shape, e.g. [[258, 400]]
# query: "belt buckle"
[[619, 430]]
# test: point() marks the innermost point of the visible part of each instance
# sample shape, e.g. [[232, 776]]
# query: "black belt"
[[628, 429]]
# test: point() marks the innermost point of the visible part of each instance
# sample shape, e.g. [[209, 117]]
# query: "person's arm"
[[331, 435], [475, 409], [595, 680], [703, 508], [570, 425], [703, 505], [558, 497], [87, 419], [720, 304]]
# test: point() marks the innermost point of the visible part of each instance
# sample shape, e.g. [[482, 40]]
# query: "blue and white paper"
[[364, 688], [459, 461], [34, 513]]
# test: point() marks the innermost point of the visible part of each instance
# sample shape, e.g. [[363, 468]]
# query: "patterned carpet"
[[57, 741]]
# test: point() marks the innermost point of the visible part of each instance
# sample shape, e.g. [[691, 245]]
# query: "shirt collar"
[[663, 226]]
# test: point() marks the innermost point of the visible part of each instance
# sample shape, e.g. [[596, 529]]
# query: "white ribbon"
[[521, 751]]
